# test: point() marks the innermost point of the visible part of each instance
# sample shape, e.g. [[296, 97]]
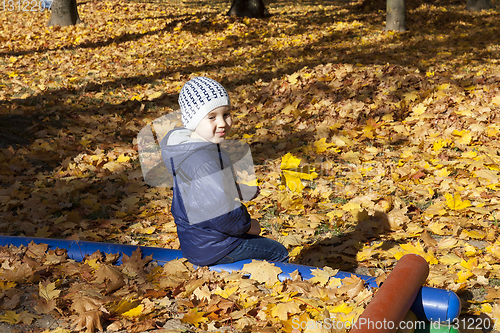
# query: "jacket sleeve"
[[248, 192], [235, 223]]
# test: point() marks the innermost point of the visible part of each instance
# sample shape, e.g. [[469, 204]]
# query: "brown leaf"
[[427, 239], [135, 264], [18, 272], [55, 257], [43, 306], [36, 250], [12, 302], [111, 276], [83, 303], [114, 327], [142, 326], [90, 320]]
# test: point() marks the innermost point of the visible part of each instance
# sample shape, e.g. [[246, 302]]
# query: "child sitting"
[[213, 226]]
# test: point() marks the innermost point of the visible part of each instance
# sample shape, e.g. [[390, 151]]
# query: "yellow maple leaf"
[[351, 156], [134, 312], [293, 182], [447, 243], [202, 293], [469, 265], [438, 144], [289, 162], [147, 230], [154, 95], [466, 112], [48, 292], [342, 308], [487, 308], [293, 79], [334, 214], [226, 292], [296, 251], [122, 158], [322, 276], [450, 259], [419, 109], [262, 271], [442, 173], [10, 317], [321, 146], [463, 276], [469, 154], [464, 137], [194, 317], [410, 96], [455, 202], [4, 285], [290, 201], [494, 249], [476, 234], [282, 310], [93, 263], [443, 86], [293, 174], [334, 282], [365, 254], [417, 249], [351, 206], [288, 109]]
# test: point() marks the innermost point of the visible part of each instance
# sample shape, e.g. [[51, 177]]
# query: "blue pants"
[[256, 247]]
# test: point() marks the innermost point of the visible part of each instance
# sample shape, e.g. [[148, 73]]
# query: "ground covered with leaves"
[[368, 145]]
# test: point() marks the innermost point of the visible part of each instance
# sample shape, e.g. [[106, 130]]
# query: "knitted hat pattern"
[[198, 97]]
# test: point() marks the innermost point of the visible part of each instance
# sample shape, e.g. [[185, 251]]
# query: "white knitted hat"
[[198, 97]]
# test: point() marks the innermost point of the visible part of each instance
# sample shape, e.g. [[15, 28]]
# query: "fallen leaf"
[[262, 271]]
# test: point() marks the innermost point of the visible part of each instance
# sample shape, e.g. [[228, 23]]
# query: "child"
[[212, 225]]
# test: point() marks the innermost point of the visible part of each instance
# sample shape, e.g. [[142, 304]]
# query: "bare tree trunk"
[[64, 12], [395, 16], [248, 8], [477, 5]]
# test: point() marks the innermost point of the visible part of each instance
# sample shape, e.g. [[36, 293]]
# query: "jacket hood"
[[178, 145]]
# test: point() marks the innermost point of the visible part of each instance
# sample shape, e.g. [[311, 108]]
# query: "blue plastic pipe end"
[[438, 305], [454, 306]]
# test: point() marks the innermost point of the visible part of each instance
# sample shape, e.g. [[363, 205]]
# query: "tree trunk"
[[395, 16], [248, 8], [64, 12], [477, 5]]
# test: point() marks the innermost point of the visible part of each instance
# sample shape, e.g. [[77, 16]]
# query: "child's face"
[[215, 126]]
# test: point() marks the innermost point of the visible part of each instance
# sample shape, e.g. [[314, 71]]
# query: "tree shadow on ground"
[[85, 120], [339, 252]]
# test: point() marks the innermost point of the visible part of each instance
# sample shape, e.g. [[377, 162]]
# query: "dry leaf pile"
[[139, 296], [367, 146]]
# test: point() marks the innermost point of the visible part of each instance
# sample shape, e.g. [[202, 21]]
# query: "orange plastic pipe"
[[393, 300]]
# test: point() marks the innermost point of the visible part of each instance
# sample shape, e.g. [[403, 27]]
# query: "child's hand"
[[256, 193], [254, 227]]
